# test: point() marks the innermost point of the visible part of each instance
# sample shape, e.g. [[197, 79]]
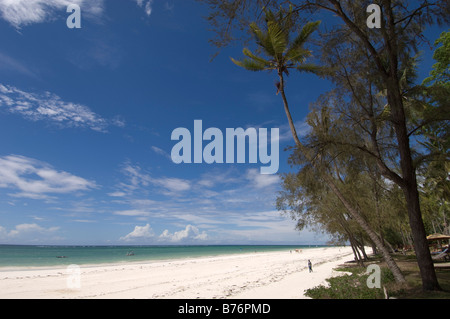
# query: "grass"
[[353, 284], [413, 289]]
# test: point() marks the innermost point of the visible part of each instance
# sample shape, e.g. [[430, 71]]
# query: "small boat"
[[61, 257], [130, 253]]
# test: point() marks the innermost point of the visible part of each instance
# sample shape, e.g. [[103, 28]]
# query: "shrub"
[[352, 286]]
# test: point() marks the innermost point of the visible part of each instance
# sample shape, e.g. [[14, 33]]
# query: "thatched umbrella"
[[437, 237]]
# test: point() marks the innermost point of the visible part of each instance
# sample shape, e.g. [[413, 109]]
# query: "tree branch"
[[340, 12]]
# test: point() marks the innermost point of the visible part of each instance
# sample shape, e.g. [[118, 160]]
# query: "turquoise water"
[[41, 256]]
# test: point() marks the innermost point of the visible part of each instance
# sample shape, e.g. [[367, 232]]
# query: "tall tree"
[[283, 53], [274, 41], [436, 137], [389, 49]]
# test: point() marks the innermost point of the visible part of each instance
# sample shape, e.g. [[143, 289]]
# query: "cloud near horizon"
[[146, 233], [26, 230]]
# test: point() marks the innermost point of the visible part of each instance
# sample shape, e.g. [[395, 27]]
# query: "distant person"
[[310, 265]]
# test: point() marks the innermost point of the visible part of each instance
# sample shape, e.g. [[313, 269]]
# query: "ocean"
[[50, 256]]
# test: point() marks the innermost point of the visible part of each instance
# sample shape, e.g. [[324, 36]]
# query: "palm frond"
[[250, 65], [304, 34], [274, 41], [262, 39], [258, 59], [297, 55], [312, 68], [278, 38]]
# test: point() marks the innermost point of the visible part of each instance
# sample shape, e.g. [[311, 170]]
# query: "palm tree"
[[282, 54]]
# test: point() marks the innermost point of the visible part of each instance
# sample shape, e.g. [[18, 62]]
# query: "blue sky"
[[86, 117]]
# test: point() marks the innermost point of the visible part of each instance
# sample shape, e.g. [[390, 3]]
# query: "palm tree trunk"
[[286, 109], [350, 208]]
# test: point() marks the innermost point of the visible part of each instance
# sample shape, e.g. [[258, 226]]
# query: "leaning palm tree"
[[283, 54]]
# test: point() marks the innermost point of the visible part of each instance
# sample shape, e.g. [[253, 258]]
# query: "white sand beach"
[[273, 275]]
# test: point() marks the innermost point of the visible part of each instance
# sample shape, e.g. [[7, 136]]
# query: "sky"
[[86, 120]]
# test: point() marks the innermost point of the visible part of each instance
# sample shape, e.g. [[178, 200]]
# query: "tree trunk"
[[424, 261], [363, 250], [355, 253], [365, 226], [409, 187], [286, 109], [374, 249], [329, 181]]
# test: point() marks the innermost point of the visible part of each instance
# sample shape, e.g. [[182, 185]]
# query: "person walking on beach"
[[310, 265]]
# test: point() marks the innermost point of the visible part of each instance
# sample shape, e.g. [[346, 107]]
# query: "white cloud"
[[147, 5], [218, 200], [84, 221], [118, 121], [138, 178], [26, 230], [261, 181], [189, 233], [139, 232], [133, 213], [10, 64], [162, 152], [30, 233], [50, 107], [217, 177], [301, 127], [25, 12], [173, 184], [117, 194], [30, 228], [146, 233], [35, 179]]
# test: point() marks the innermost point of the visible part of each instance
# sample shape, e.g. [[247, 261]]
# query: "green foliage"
[[281, 52], [435, 135], [441, 70], [353, 136], [352, 286]]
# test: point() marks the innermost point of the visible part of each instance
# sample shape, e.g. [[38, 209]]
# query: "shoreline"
[[261, 275], [135, 262], [139, 259]]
